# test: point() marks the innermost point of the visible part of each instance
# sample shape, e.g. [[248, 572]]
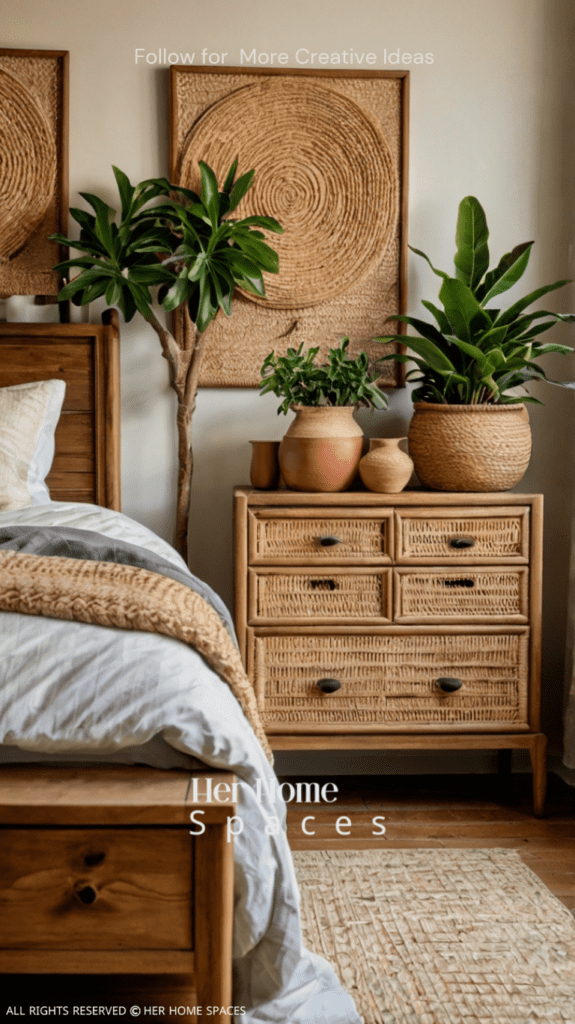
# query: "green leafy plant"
[[186, 245], [297, 379], [475, 353]]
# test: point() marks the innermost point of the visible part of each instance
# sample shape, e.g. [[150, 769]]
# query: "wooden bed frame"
[[99, 873]]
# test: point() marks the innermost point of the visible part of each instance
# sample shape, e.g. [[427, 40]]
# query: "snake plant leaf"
[[471, 235], [462, 309], [511, 267]]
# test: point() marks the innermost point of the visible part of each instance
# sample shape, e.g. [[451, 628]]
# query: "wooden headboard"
[[86, 464]]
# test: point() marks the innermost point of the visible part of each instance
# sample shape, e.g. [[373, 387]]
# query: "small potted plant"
[[322, 447], [469, 431]]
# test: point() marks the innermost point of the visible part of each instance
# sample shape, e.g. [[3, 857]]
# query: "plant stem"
[[184, 366]]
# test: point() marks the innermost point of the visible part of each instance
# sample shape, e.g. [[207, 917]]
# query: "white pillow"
[[28, 417]]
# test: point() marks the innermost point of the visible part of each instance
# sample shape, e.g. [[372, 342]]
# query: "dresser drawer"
[[389, 679], [312, 536], [96, 889], [465, 594], [338, 595], [474, 536]]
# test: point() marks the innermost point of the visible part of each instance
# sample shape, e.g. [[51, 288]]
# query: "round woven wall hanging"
[[322, 168], [27, 165]]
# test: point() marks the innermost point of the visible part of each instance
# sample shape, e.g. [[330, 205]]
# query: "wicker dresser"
[[375, 621]]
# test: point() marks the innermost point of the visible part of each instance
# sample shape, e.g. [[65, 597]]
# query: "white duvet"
[[71, 691]]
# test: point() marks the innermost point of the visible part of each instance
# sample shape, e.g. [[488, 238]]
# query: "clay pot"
[[265, 468], [469, 447], [321, 449], [386, 468]]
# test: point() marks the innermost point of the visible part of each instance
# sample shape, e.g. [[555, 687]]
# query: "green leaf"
[[260, 253], [113, 293], [230, 176], [442, 321], [178, 293], [471, 234], [462, 308], [269, 223], [440, 273], [126, 191], [513, 312], [511, 267], [429, 351], [240, 188], [210, 193], [104, 216]]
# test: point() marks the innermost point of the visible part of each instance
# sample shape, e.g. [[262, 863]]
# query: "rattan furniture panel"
[[391, 679], [448, 535], [452, 595], [310, 538], [293, 596], [373, 621]]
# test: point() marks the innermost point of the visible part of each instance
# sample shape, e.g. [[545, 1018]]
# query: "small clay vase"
[[321, 449], [265, 467], [386, 469]]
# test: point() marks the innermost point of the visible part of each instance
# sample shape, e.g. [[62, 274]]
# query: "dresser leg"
[[538, 752]]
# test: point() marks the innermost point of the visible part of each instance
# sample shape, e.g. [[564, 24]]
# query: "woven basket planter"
[[469, 447]]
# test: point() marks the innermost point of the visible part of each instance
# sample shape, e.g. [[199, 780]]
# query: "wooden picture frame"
[[200, 96], [40, 80]]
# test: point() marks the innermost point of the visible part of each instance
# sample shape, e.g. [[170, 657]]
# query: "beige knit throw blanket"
[[108, 594]]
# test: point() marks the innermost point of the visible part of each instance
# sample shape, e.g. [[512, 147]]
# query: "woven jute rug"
[[440, 936]]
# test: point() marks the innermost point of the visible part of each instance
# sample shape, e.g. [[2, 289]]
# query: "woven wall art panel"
[[34, 168], [330, 155]]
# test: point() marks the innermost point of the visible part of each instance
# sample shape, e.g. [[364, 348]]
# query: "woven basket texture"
[[440, 936], [31, 125], [339, 596], [299, 538], [494, 536], [28, 165], [469, 447], [387, 679], [327, 156], [475, 593]]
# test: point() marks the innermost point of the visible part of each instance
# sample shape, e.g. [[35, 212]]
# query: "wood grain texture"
[[96, 889], [86, 465]]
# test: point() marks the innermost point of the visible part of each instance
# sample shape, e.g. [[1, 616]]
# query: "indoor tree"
[[187, 246]]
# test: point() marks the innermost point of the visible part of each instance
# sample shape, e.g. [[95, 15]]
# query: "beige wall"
[[491, 117]]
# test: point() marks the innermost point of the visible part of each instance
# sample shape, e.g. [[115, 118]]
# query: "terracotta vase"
[[321, 449], [469, 447], [265, 468], [386, 468]]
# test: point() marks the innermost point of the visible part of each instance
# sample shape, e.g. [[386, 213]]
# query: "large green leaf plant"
[[475, 352], [188, 247]]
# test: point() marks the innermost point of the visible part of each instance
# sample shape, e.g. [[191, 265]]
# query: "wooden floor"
[[452, 812]]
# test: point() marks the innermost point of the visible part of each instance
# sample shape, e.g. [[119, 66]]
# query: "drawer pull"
[[448, 684], [328, 685], [329, 542], [85, 893], [323, 584], [459, 583], [461, 542]]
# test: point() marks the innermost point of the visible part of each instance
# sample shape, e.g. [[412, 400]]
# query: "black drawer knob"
[[329, 542], [328, 685], [449, 684], [86, 893], [459, 583], [461, 542]]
